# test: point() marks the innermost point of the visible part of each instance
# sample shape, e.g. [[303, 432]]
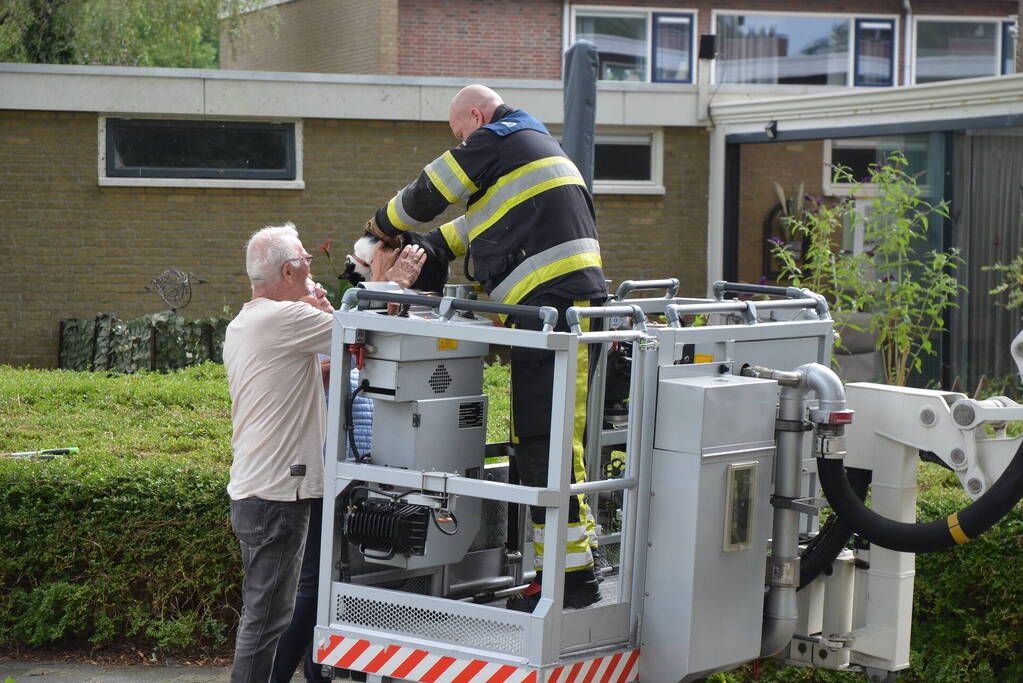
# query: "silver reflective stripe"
[[576, 532], [544, 258], [399, 208], [462, 230], [504, 194], [449, 183]]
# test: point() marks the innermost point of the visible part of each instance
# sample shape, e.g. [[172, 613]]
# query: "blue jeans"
[[272, 536], [297, 642]]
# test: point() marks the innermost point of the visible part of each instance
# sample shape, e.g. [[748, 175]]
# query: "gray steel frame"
[[549, 634]]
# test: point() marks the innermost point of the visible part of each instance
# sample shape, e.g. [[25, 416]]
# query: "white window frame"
[[851, 17], [655, 185], [832, 189], [951, 19], [648, 12], [225, 183]]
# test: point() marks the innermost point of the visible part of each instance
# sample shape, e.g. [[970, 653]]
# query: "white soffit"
[[251, 94], [947, 100]]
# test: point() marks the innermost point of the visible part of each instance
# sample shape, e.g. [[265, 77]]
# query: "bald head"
[[471, 108]]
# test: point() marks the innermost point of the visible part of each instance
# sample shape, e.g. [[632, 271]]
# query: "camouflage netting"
[[160, 341]]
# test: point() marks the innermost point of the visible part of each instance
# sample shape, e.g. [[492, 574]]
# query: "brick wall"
[[480, 39], [654, 236], [323, 36], [761, 166], [70, 248]]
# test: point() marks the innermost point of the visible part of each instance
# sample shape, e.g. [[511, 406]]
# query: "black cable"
[[433, 516], [924, 537], [833, 536]]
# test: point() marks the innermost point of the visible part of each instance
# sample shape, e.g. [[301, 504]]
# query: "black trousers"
[[532, 376]]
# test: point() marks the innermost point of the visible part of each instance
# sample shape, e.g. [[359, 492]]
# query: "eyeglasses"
[[308, 259]]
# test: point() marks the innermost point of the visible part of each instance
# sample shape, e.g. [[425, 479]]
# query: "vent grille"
[[470, 415], [431, 624], [440, 380]]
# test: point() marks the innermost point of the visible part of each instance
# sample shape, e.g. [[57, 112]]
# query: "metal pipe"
[[780, 610], [637, 501], [621, 336], [788, 379], [487, 584], [826, 384], [603, 485]]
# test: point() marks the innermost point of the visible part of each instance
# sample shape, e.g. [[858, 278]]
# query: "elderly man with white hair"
[[279, 424]]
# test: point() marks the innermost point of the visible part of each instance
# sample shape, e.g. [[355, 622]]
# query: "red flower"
[[325, 247]]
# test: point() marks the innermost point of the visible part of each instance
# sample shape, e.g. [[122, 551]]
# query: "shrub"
[[108, 546], [131, 537]]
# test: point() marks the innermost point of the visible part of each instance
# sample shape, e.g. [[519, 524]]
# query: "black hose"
[[923, 537], [350, 421], [834, 534]]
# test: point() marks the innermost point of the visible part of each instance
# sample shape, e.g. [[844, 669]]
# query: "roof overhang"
[[945, 106], [263, 94]]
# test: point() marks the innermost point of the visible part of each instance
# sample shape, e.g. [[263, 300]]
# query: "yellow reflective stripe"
[[456, 235], [453, 239], [550, 272], [958, 535], [480, 203], [517, 199], [392, 214]]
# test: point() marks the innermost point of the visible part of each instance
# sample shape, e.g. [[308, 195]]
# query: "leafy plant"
[[905, 292], [1012, 281], [336, 286]]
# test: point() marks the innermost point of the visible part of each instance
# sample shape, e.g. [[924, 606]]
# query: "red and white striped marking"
[[617, 668], [412, 664]]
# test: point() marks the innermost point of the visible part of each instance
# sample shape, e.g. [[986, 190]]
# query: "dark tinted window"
[[614, 161], [149, 148]]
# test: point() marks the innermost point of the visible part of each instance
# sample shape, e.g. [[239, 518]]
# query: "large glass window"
[[150, 148], [1008, 47], [950, 49], [673, 40], [628, 163], [621, 42], [639, 46], [200, 153], [782, 49], [875, 52]]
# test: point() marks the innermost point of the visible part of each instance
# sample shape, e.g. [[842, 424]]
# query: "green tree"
[[161, 33]]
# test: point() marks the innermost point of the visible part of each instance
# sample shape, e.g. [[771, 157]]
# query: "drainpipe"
[[780, 610], [907, 43]]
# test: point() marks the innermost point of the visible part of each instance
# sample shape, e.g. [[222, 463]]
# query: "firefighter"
[[528, 237]]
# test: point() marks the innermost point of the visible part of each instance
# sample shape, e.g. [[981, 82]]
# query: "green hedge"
[[132, 538]]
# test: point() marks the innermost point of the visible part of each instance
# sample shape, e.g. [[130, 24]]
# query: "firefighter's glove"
[[393, 241]]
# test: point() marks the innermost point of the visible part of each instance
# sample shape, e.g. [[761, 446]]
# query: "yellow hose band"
[[958, 535]]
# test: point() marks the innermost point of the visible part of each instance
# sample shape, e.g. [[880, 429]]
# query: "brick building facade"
[[74, 248], [496, 38]]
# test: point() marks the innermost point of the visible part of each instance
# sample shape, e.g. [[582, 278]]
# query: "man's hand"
[[316, 297], [394, 265], [325, 371]]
